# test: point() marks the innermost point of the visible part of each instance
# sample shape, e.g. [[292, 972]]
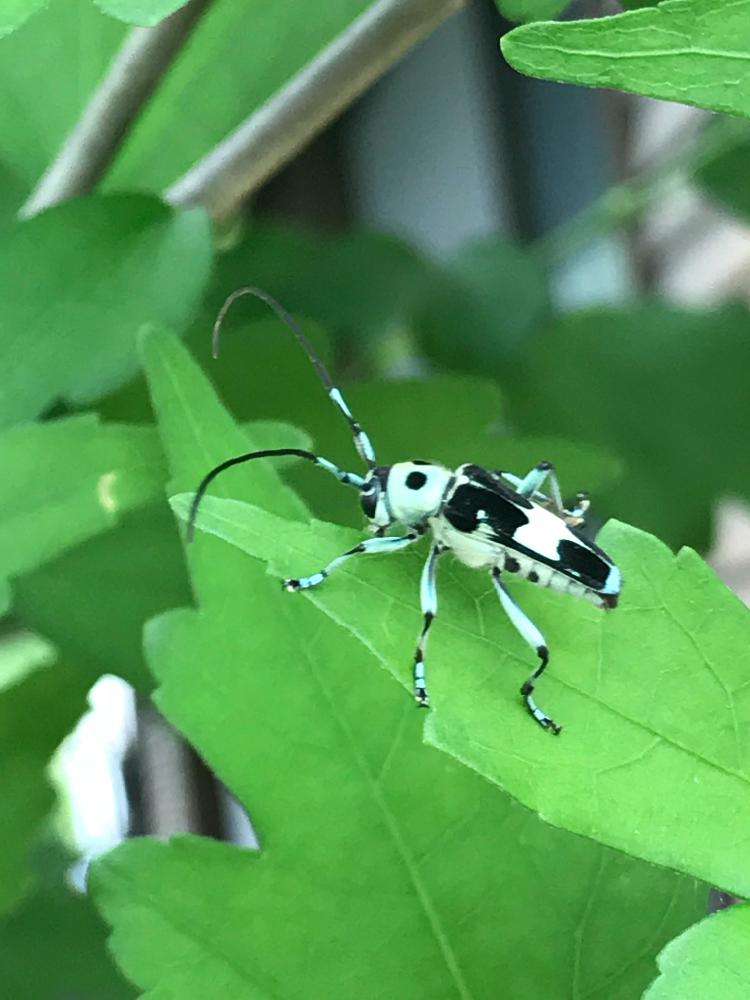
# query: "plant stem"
[[132, 77], [278, 129], [625, 202]]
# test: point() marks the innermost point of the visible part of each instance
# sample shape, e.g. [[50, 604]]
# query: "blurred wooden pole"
[[308, 102], [131, 79], [171, 790]]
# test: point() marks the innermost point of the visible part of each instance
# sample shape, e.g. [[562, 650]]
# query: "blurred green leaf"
[[12, 195], [37, 710], [354, 283], [710, 961], [435, 873], [92, 601], [15, 12], [359, 285], [67, 480], [654, 698], [235, 59], [658, 385], [27, 801], [78, 41], [724, 179], [202, 445], [493, 297], [145, 12], [53, 945], [78, 281], [531, 10], [691, 51]]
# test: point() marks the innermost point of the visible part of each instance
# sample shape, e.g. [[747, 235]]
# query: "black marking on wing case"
[[487, 503], [464, 510], [587, 565], [491, 481]]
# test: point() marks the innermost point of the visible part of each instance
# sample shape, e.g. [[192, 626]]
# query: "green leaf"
[[653, 698], [67, 480], [53, 946], [15, 12], [93, 600], [385, 870], [723, 179], [356, 284], [710, 960], [12, 194], [79, 41], [199, 919], [493, 298], [37, 710], [531, 10], [78, 281], [145, 12], [95, 616], [692, 51], [235, 59], [660, 386]]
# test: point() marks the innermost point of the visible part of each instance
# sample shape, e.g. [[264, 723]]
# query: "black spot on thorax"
[[416, 480]]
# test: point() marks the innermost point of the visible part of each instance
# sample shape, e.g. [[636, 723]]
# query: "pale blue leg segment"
[[428, 601], [535, 639], [535, 479], [371, 545], [531, 484]]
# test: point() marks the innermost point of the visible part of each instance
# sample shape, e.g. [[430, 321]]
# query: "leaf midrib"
[[642, 54], [430, 911]]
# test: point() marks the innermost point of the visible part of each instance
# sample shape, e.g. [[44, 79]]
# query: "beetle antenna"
[[348, 478], [361, 440]]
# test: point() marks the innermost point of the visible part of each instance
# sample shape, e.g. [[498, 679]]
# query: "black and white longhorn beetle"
[[488, 520]]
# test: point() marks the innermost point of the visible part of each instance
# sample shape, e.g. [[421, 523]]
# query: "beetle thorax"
[[416, 490]]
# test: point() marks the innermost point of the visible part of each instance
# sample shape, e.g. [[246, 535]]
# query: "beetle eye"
[[369, 498]]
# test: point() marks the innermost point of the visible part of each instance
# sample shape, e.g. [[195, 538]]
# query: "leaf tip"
[[180, 504]]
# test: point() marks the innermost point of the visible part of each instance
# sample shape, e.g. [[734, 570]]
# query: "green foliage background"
[[462, 855]]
